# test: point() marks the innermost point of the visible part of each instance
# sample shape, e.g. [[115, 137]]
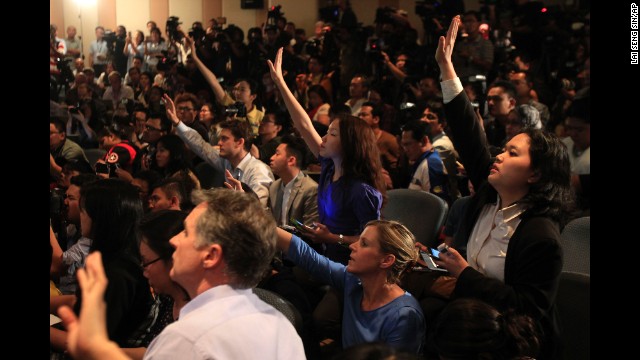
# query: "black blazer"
[[534, 256]]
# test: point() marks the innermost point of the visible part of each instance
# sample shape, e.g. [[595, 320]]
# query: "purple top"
[[345, 207]]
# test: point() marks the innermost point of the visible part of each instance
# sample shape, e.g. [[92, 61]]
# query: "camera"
[[237, 108], [197, 33], [273, 15], [172, 28]]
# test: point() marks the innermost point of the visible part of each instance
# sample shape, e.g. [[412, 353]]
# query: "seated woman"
[[110, 210], [375, 308], [511, 257], [172, 161], [156, 229]]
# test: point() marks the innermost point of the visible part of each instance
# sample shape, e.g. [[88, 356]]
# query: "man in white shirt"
[[226, 247], [232, 152]]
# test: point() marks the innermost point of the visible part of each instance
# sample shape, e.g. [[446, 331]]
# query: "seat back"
[[576, 245], [573, 301], [423, 213], [283, 305]]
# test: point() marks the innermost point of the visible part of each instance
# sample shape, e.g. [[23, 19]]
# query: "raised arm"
[[301, 119], [208, 74], [445, 49]]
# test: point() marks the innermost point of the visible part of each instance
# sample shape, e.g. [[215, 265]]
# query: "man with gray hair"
[[224, 251]]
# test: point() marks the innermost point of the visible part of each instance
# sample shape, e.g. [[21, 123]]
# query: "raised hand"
[[232, 183], [445, 44], [276, 69], [171, 109], [445, 49]]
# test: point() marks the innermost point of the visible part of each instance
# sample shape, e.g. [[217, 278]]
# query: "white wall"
[[133, 15], [188, 11]]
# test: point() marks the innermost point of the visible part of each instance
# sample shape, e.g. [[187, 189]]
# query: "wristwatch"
[[341, 239]]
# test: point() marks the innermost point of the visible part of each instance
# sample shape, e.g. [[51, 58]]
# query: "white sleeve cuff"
[[450, 89]]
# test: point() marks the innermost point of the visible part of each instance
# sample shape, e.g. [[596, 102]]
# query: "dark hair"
[[374, 351], [580, 109], [240, 130], [59, 123], [184, 97], [419, 129], [469, 328], [84, 179], [253, 85], [376, 110], [507, 86], [115, 209], [551, 194], [178, 159], [321, 91], [157, 228], [360, 153], [296, 148]]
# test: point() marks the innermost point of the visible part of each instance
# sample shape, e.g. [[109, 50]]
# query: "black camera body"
[[273, 15], [172, 28], [197, 34], [238, 109]]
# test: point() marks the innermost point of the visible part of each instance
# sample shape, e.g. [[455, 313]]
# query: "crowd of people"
[[273, 171]]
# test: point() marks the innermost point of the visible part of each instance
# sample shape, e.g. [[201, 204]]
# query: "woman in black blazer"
[[512, 258]]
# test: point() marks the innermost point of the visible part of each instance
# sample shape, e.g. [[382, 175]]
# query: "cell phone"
[[102, 168], [299, 225], [428, 259]]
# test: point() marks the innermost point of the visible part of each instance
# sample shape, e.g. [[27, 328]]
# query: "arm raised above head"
[[299, 116]]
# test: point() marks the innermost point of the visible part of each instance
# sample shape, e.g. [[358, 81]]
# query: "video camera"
[[273, 15], [172, 29], [237, 108]]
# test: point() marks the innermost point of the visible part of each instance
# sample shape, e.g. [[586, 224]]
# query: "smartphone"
[[102, 168], [435, 253], [428, 259], [299, 225]]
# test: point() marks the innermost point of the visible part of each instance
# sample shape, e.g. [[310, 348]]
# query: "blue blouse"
[[345, 207], [399, 323]]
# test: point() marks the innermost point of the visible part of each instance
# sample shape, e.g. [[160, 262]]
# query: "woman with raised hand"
[[351, 188], [375, 307], [512, 257]]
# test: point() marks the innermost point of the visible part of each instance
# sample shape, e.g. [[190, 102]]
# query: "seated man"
[[224, 251], [233, 153], [427, 171], [168, 194], [294, 195]]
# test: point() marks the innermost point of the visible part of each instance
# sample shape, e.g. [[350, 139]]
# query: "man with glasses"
[[156, 127], [186, 109]]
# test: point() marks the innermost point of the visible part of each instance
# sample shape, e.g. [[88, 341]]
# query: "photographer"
[[153, 50], [98, 50], [57, 49]]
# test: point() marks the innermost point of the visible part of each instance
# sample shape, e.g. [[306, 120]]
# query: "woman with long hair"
[[512, 257], [172, 161], [110, 212], [351, 187]]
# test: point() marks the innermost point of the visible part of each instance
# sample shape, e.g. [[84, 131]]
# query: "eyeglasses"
[[183, 108], [144, 265], [151, 128]]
